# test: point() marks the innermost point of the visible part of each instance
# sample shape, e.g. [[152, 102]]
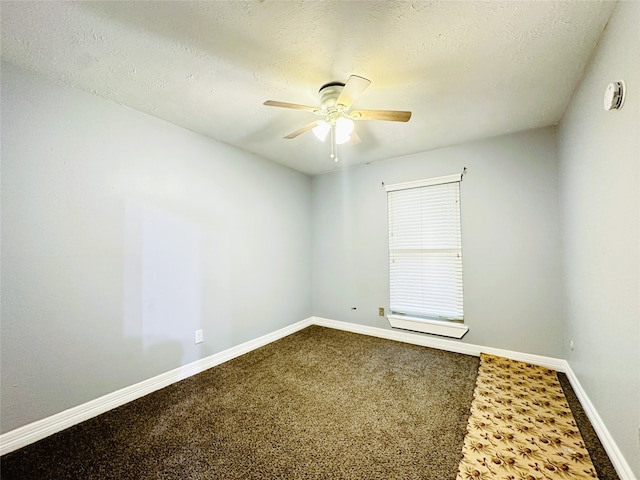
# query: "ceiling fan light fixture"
[[321, 130], [344, 126]]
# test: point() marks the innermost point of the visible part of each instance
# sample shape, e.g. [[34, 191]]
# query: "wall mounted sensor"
[[614, 95]]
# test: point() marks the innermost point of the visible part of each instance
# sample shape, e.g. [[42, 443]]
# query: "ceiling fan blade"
[[300, 131], [389, 115], [355, 139], [295, 106], [352, 90]]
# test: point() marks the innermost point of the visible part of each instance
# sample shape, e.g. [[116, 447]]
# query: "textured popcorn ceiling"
[[466, 70]]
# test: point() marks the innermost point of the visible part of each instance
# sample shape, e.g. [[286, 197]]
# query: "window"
[[425, 249]]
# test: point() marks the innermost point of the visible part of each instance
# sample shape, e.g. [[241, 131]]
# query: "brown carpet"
[[318, 404]]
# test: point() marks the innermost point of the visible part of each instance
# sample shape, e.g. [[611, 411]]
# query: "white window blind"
[[425, 248]]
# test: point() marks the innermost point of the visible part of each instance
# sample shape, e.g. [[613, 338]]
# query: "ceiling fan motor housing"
[[329, 93]]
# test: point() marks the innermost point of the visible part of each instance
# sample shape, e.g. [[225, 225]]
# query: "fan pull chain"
[[334, 146]]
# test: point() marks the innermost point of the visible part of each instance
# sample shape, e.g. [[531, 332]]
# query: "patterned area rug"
[[521, 427]]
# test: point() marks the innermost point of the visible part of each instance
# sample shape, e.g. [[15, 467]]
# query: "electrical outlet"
[[571, 345], [199, 336], [381, 311]]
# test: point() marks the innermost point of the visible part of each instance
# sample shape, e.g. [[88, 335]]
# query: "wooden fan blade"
[[295, 106], [389, 115], [355, 139], [300, 131], [352, 90]]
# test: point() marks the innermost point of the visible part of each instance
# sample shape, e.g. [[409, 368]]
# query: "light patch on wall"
[[162, 276]]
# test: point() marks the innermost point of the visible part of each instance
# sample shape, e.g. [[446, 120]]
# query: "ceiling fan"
[[337, 119]]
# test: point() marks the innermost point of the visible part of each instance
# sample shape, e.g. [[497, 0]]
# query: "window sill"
[[435, 327]]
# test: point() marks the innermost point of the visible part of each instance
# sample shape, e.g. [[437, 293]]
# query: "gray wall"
[[511, 239], [599, 156], [121, 235]]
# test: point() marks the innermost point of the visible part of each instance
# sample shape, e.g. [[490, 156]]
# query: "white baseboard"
[[615, 455], [617, 459], [40, 429], [442, 343]]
